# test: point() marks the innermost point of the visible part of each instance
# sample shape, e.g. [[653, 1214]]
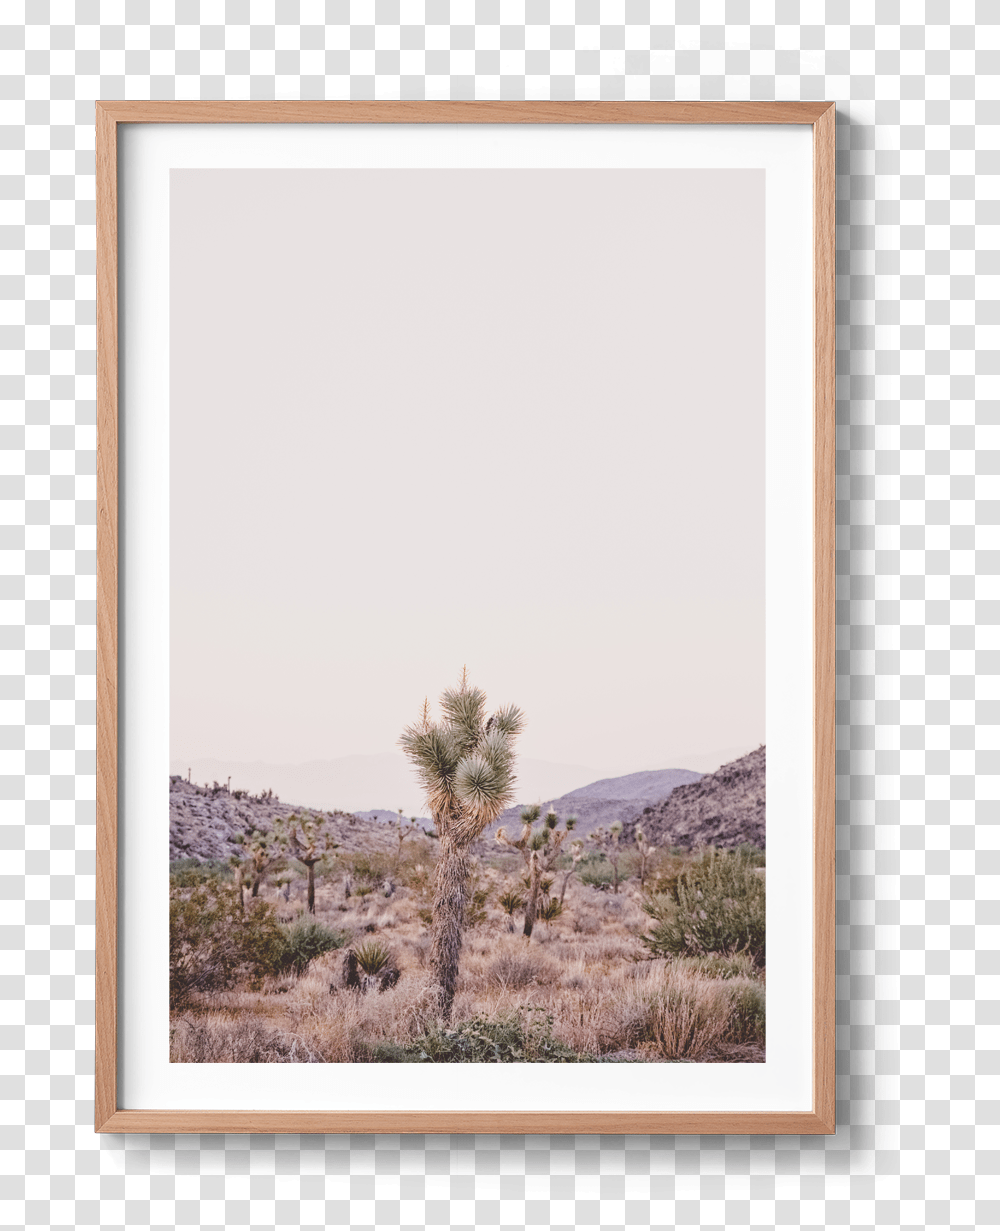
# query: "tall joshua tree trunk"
[[448, 911], [466, 766], [531, 909]]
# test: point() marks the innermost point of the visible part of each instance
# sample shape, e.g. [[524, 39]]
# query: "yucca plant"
[[465, 764], [373, 956], [370, 966], [511, 900], [549, 911]]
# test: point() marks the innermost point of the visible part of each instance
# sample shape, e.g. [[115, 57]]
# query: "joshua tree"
[[540, 851], [284, 882], [240, 877], [645, 851], [607, 841], [264, 852], [404, 832], [575, 853], [466, 766], [307, 839]]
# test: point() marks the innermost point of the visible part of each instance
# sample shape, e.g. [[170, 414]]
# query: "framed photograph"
[[465, 617]]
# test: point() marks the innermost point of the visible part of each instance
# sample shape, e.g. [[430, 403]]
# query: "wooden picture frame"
[[109, 1115]]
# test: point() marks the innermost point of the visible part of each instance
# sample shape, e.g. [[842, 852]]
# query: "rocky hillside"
[[609, 799], [723, 809], [204, 821]]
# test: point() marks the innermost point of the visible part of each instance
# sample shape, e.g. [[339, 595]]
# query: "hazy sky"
[[427, 418]]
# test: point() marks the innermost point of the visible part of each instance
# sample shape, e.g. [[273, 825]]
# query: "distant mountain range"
[[676, 807], [361, 784], [723, 809], [609, 799]]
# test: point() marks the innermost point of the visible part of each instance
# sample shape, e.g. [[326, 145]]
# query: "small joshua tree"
[[466, 766], [240, 878], [404, 832], [540, 851], [607, 841], [645, 852], [284, 882], [264, 851], [575, 853], [307, 839]]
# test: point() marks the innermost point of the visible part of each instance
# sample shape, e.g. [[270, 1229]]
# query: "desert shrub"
[[511, 971], [689, 1019], [416, 867], [756, 857], [189, 873], [719, 966], [596, 870], [747, 1014], [523, 1034], [214, 945], [306, 939], [715, 906], [678, 1014], [368, 869], [243, 1041]]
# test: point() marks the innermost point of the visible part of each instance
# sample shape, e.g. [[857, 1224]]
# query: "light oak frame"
[[109, 1117]]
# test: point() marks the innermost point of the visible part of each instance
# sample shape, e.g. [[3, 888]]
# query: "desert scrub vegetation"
[[669, 969], [714, 903], [608, 997], [217, 941]]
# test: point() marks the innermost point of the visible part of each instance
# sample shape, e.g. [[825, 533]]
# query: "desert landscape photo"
[[596, 927], [467, 637]]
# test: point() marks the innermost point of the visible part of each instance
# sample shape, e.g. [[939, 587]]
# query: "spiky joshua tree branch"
[[465, 764]]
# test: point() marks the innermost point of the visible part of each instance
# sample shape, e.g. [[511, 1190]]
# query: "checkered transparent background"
[[918, 602]]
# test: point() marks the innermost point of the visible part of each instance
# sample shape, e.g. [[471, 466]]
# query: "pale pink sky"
[[513, 419]]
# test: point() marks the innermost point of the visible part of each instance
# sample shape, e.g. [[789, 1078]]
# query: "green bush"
[[748, 1016], [307, 938], [512, 1038], [716, 905], [188, 873], [214, 945], [756, 857], [596, 869], [369, 868]]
